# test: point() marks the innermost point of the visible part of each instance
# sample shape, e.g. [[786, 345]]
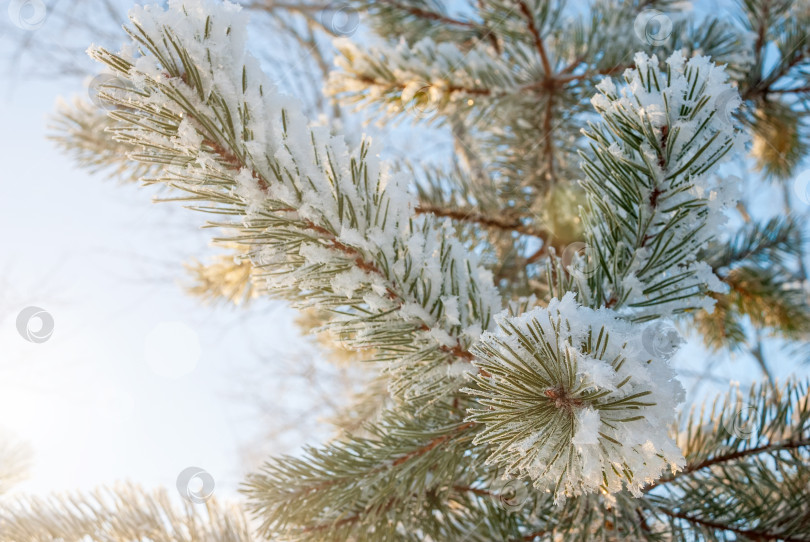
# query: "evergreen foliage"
[[519, 301]]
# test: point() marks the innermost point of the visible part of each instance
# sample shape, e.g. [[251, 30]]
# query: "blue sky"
[[107, 264]]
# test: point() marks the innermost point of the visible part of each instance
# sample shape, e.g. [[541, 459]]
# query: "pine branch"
[[760, 441], [416, 19], [78, 129], [766, 420], [464, 215], [312, 208], [759, 266], [566, 390], [650, 206], [718, 526], [430, 15], [772, 300], [15, 462], [123, 513], [229, 278], [775, 241], [732, 456], [560, 403], [538, 40], [405, 458], [393, 80]]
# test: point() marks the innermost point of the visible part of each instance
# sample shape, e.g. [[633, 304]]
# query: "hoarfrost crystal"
[[572, 399]]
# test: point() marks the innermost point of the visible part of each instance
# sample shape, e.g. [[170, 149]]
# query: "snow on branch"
[[370, 478], [652, 200], [571, 398], [329, 225]]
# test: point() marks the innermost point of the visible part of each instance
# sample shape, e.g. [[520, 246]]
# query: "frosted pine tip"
[[572, 402], [562, 400]]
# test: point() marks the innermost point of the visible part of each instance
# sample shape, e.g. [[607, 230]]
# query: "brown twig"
[[432, 444], [476, 491], [535, 534], [549, 141], [429, 15], [479, 218], [538, 40], [689, 469], [748, 533], [613, 70]]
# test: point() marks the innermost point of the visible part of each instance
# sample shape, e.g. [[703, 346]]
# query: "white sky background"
[[107, 264]]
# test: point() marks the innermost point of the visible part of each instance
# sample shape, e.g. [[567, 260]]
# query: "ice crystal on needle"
[[329, 224], [654, 202], [573, 400]]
